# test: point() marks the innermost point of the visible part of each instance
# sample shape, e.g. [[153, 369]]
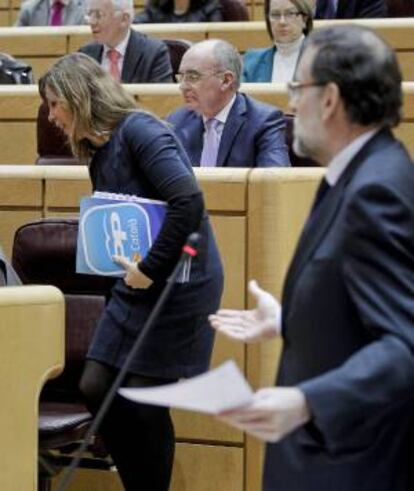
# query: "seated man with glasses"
[[130, 56], [219, 125]]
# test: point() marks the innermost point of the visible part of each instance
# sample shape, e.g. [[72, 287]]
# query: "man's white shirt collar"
[[341, 161], [121, 47], [224, 113], [65, 2]]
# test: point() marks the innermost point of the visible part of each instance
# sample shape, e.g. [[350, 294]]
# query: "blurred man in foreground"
[[342, 414]]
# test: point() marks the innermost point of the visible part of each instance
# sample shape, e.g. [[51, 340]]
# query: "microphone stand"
[[188, 251]]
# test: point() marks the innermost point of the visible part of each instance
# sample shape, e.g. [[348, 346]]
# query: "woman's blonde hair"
[[96, 101]]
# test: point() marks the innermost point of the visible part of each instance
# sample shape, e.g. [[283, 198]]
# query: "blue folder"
[[112, 224]]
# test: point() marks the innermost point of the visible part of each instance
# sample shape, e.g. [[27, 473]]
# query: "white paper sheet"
[[213, 392]]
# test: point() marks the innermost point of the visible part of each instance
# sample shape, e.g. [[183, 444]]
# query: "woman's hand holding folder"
[[133, 276]]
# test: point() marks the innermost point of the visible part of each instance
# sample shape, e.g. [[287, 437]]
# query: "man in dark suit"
[[342, 416], [350, 9], [220, 126], [130, 56]]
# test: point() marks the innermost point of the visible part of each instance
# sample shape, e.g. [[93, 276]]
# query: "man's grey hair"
[[126, 6], [228, 58]]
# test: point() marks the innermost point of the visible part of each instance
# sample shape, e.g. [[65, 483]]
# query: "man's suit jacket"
[[354, 9], [253, 135], [146, 59], [37, 12], [348, 328]]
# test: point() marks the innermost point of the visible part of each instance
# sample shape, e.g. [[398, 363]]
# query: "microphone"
[[190, 247], [188, 251]]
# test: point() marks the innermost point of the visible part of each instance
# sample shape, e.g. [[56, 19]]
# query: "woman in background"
[[287, 22], [132, 152], [163, 11]]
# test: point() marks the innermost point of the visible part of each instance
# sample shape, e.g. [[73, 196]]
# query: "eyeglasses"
[[289, 15], [193, 76], [95, 13], [295, 87]]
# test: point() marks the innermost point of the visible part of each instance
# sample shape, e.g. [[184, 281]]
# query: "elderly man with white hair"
[[130, 56]]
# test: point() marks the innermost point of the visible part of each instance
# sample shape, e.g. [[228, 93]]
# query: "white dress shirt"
[[285, 60]]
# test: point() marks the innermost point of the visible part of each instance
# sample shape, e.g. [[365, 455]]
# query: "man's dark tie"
[[324, 186], [325, 9]]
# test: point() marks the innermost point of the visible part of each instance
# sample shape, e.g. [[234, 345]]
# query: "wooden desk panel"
[[44, 41], [208, 468], [405, 132], [40, 64], [278, 203], [191, 31], [196, 468], [21, 192], [4, 17], [18, 103], [31, 351], [18, 142]]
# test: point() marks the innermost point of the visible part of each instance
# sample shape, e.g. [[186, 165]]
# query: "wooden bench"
[[19, 105], [41, 46], [31, 351]]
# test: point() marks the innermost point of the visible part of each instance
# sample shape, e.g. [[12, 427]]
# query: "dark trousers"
[[139, 437]]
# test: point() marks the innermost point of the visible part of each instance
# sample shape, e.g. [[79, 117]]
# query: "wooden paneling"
[[196, 468], [10, 221], [4, 17], [31, 351], [225, 191], [406, 59], [19, 102], [244, 35], [77, 40], [18, 142], [44, 41], [405, 132], [21, 192], [65, 193], [207, 468], [278, 203], [40, 64], [170, 97], [191, 426], [231, 239]]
